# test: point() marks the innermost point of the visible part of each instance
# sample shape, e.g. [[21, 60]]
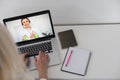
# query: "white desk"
[[104, 43]]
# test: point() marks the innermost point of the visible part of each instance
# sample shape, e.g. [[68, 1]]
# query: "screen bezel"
[[31, 15]]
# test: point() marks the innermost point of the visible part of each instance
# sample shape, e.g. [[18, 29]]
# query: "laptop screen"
[[30, 27]]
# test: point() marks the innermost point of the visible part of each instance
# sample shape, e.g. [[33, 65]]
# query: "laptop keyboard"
[[34, 49]]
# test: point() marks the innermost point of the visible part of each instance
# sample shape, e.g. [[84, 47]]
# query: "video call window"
[[29, 28]]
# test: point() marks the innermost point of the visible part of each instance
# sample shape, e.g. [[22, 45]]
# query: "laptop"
[[34, 32]]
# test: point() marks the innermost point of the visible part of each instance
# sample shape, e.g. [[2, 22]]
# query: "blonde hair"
[[11, 65]]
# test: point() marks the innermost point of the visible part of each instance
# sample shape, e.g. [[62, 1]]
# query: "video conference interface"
[[29, 28]]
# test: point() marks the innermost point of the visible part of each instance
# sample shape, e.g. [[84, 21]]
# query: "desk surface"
[[104, 43]]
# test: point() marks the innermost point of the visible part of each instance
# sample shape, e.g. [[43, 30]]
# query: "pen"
[[69, 58]]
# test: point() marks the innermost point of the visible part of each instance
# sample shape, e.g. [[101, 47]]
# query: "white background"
[[66, 11]]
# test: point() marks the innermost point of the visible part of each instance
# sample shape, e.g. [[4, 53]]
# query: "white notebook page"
[[77, 62]]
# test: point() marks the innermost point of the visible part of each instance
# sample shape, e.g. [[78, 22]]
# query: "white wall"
[[66, 11]]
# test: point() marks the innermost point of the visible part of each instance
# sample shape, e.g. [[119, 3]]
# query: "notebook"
[[76, 61], [33, 32], [67, 39]]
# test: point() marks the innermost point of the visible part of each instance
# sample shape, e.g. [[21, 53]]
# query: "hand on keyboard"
[[42, 64]]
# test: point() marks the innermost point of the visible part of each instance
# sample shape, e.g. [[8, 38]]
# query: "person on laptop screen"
[[29, 32], [11, 64]]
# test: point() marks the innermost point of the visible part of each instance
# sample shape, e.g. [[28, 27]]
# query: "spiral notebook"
[[76, 61]]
